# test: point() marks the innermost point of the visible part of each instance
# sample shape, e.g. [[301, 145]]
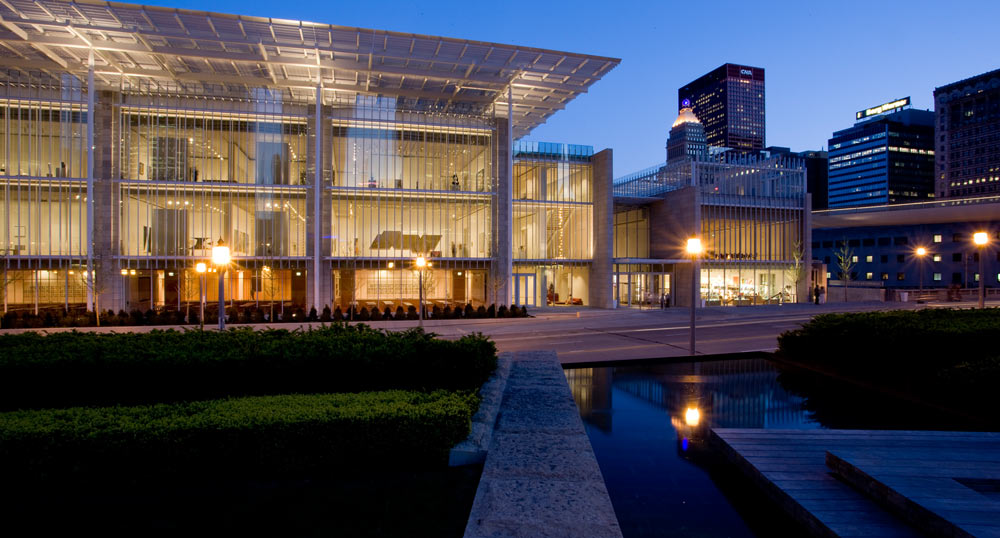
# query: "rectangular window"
[[826, 260], [937, 238], [868, 242], [884, 258], [900, 276], [956, 238], [868, 276], [937, 277], [827, 276], [854, 259], [884, 241], [885, 276], [869, 258], [976, 277], [854, 243], [900, 241], [827, 244], [937, 257], [900, 258], [956, 257]]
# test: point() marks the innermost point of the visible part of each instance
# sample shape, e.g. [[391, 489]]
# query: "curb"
[[474, 448]]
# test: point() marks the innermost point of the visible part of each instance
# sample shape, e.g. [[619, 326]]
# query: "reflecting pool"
[[649, 425]]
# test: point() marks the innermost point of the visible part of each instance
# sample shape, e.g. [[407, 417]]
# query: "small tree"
[[96, 287], [845, 263], [797, 271]]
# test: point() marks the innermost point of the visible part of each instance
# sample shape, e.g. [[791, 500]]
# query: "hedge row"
[[942, 355], [294, 314], [895, 343], [283, 436], [78, 369]]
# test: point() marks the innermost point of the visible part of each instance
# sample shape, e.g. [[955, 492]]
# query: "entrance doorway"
[[524, 289]]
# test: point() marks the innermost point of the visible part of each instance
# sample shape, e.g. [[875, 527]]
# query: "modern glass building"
[[135, 138], [751, 214], [887, 157]]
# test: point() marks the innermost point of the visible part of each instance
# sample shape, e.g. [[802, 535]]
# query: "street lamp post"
[[981, 239], [221, 258], [200, 268], [921, 252], [421, 262], [694, 250]]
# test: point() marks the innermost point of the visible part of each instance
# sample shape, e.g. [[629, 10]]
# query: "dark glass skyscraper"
[[883, 159], [968, 128], [729, 101]]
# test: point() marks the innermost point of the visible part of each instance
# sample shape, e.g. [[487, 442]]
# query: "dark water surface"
[[649, 427]]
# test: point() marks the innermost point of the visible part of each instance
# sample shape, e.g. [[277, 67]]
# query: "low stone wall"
[[541, 478], [474, 448]]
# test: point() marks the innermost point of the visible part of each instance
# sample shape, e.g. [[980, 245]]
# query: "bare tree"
[[797, 271], [845, 263], [270, 285], [7, 278], [96, 287]]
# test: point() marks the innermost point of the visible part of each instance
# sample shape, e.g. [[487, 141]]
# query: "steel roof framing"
[[136, 41]]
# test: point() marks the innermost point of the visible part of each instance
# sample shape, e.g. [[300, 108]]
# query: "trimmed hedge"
[[80, 369], [894, 343], [949, 357], [284, 436]]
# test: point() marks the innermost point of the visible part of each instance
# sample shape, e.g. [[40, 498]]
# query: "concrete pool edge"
[[541, 476]]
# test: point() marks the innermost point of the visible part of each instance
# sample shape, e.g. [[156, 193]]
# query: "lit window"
[[828, 275], [868, 276], [937, 257], [869, 259], [976, 278], [900, 276], [885, 276], [854, 259], [937, 277]]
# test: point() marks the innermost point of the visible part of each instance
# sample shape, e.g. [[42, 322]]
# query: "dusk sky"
[[823, 61]]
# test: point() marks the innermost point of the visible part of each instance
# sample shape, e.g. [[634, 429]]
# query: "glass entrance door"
[[524, 289]]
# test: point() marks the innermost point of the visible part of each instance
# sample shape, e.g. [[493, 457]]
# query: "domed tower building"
[[687, 136]]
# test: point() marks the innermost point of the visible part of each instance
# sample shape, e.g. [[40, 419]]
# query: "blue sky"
[[823, 61]]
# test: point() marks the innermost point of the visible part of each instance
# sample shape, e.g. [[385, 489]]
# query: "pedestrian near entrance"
[[816, 293]]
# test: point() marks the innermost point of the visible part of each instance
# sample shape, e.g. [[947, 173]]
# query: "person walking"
[[816, 293]]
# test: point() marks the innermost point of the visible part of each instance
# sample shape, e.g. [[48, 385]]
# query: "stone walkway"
[[540, 478]]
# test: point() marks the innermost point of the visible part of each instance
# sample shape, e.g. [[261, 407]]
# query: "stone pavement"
[[541, 478]]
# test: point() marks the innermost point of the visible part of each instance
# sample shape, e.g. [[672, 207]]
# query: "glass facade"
[[552, 227], [749, 214], [126, 156]]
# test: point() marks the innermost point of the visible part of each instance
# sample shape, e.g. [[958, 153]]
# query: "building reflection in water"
[[696, 395]]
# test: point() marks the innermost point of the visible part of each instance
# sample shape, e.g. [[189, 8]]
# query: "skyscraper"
[[887, 157], [687, 136], [967, 114], [729, 101]]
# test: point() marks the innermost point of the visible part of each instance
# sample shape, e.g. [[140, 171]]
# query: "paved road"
[[581, 335]]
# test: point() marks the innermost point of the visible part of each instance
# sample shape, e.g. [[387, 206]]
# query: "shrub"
[[436, 312], [312, 315], [446, 313], [411, 313], [72, 368], [338, 314], [490, 312], [387, 314], [469, 311], [363, 315], [502, 312], [400, 314], [265, 435], [326, 316]]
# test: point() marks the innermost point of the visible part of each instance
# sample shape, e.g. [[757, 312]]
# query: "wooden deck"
[[790, 466]]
